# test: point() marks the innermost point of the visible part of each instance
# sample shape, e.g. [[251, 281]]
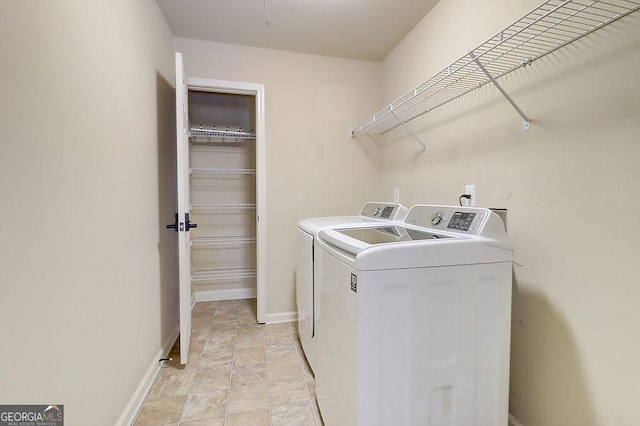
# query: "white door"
[[184, 254]]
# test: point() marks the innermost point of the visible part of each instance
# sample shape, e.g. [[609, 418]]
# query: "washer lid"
[[429, 236], [404, 254], [390, 238]]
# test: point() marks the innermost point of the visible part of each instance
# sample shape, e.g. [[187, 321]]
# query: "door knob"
[[188, 222], [174, 225]]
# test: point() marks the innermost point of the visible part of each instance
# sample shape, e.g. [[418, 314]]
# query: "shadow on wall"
[[369, 145], [167, 205], [548, 386]]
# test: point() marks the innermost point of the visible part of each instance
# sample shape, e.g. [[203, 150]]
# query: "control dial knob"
[[436, 218], [376, 212]]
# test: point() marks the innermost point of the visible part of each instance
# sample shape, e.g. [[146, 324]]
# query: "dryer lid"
[[389, 234]]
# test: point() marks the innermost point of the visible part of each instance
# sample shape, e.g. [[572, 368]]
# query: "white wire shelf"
[[215, 171], [220, 136], [222, 240], [548, 27], [217, 206], [222, 274]]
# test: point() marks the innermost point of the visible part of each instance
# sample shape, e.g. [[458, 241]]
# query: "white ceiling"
[[356, 29]]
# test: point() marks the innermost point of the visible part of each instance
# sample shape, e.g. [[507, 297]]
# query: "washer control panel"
[[461, 221], [465, 220]]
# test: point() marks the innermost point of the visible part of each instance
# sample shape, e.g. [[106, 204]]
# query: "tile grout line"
[[249, 366], [146, 397], [301, 362], [267, 364], [233, 354], [195, 373], [266, 378]]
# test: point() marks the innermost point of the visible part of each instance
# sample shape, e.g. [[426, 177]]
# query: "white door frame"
[[182, 174], [256, 90]]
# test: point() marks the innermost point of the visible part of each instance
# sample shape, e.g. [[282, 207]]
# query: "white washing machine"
[[307, 296], [415, 321]]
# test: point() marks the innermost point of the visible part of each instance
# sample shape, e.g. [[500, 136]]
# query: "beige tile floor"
[[239, 373]]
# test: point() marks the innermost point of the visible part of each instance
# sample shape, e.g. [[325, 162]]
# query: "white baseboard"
[[282, 317], [513, 421], [212, 295], [130, 412]]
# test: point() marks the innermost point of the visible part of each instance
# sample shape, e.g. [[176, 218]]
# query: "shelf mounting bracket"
[[527, 122], [413, 135]]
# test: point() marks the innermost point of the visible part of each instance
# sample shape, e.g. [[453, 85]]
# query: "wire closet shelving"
[[220, 136], [218, 171], [548, 27], [211, 274], [222, 240], [223, 206]]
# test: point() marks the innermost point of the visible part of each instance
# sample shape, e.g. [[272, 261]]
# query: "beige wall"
[[313, 167], [87, 138], [570, 184], [86, 111]]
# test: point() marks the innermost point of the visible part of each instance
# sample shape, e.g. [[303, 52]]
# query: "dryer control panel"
[[383, 211], [465, 220]]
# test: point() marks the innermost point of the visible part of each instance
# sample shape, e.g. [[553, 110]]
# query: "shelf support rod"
[[527, 122], [403, 124]]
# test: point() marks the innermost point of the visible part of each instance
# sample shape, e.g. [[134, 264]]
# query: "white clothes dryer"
[[307, 296], [414, 326]]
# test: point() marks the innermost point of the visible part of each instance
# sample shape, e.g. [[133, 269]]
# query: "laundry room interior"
[[90, 273]]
